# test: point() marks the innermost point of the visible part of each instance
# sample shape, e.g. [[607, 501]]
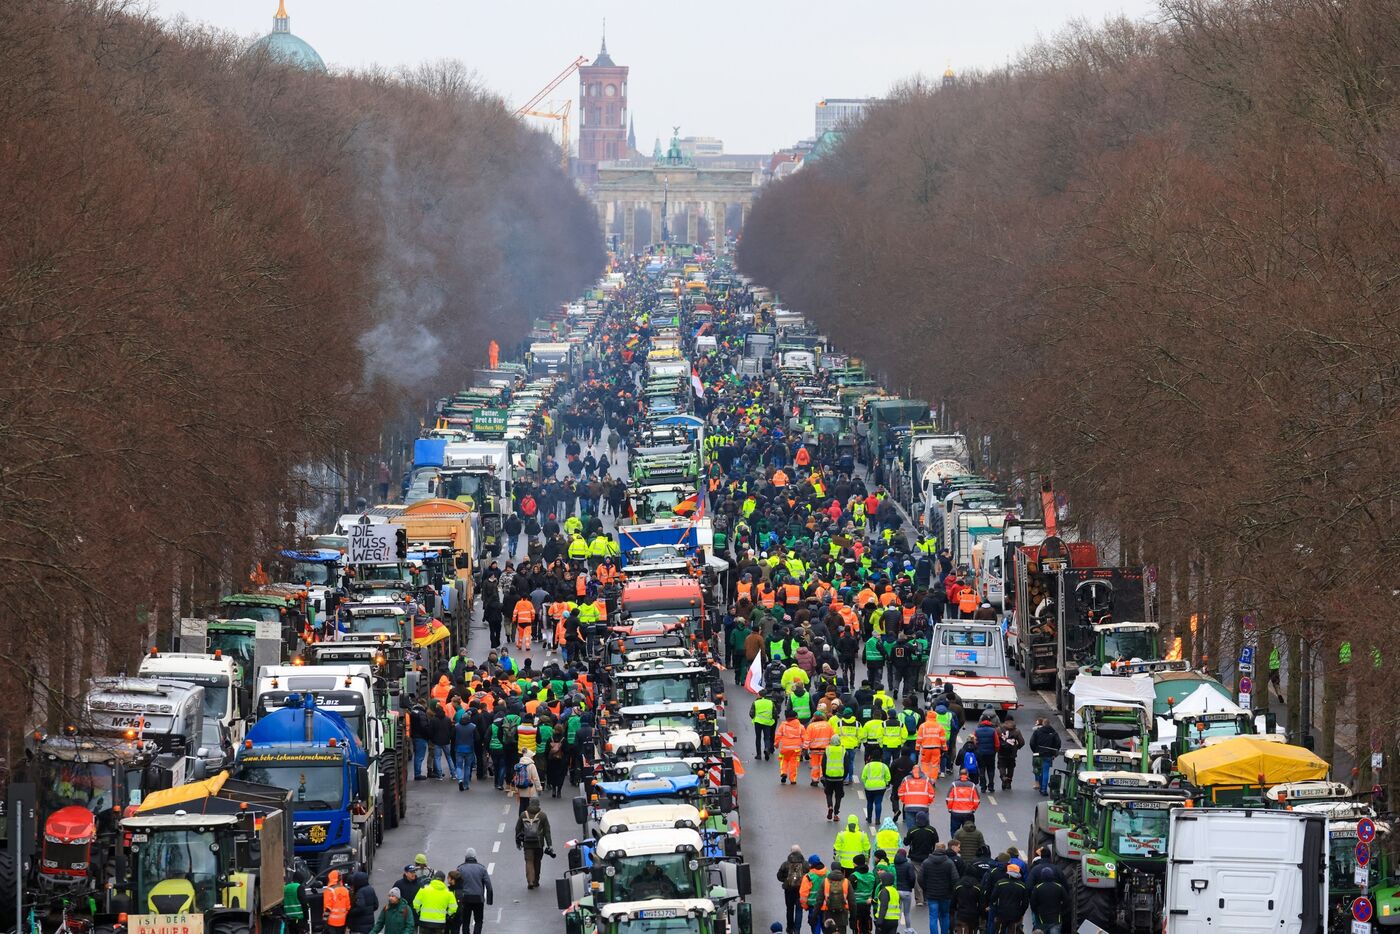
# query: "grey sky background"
[[746, 71]]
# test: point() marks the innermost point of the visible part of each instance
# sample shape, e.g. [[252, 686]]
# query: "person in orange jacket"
[[815, 739], [335, 903], [930, 740], [788, 739], [524, 618]]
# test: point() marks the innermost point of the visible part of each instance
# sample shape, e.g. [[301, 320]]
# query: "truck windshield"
[[665, 875], [1341, 861], [385, 572], [1195, 738], [1120, 644], [267, 614], [179, 854], [318, 573], [656, 690], [86, 784], [315, 786], [215, 691], [668, 768], [238, 646], [458, 485], [1135, 832], [373, 625]]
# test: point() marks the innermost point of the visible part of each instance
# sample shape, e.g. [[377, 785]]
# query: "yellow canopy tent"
[[1249, 760], [180, 794]]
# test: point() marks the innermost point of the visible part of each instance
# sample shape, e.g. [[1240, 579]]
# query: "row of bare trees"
[[219, 276], [1156, 262]]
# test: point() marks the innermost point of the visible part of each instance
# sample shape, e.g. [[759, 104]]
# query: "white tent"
[[1112, 691]]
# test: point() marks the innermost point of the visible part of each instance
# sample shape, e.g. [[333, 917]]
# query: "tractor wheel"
[[390, 767], [1092, 905], [402, 756]]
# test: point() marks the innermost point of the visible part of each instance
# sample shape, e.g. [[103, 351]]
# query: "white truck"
[[970, 655], [216, 673], [1246, 871], [171, 713], [550, 359]]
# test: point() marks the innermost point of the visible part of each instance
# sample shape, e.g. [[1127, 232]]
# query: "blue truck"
[[316, 755]]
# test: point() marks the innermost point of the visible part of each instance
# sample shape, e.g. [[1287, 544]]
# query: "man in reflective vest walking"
[[815, 739], [916, 795], [962, 801], [789, 742], [930, 740]]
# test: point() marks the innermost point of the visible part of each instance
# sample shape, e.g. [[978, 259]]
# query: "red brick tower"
[[602, 134]]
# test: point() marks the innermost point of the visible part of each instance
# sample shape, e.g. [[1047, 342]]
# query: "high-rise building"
[[602, 134], [835, 112]]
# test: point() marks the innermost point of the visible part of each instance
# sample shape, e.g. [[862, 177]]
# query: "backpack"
[[531, 831], [556, 749], [510, 732], [969, 761], [522, 776], [901, 652]]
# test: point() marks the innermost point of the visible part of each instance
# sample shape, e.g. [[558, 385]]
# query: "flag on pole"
[[753, 681], [695, 383]]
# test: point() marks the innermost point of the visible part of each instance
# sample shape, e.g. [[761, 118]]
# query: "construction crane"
[[533, 107], [562, 115]]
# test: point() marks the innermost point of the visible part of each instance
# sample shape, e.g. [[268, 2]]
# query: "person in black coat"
[[1049, 901], [938, 880], [364, 903]]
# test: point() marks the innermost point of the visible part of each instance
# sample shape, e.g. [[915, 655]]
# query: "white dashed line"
[[1011, 836], [496, 847], [501, 828], [1001, 817], [490, 868], [991, 797]]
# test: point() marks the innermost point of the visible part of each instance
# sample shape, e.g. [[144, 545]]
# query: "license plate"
[[649, 913]]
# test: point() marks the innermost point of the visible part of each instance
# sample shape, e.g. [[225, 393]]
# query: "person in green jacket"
[[863, 884], [396, 917], [737, 637], [875, 659]]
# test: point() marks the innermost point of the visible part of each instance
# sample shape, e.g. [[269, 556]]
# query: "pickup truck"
[[970, 655]]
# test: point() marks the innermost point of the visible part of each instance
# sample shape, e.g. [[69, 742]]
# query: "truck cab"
[[971, 656], [216, 673], [170, 713], [678, 680], [316, 755], [319, 572]]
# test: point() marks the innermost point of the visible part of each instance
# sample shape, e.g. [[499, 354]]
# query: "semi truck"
[[248, 642], [315, 755], [1094, 602], [215, 672]]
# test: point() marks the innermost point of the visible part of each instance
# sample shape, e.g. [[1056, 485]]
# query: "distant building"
[[281, 45], [835, 112], [692, 146], [602, 97]]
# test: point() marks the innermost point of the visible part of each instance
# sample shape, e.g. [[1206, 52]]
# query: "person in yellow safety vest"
[[795, 567], [930, 740], [849, 728], [588, 613], [874, 778], [598, 550], [801, 703], [794, 675], [893, 736], [871, 733], [835, 778], [763, 713], [573, 525], [887, 837], [850, 843], [750, 504], [815, 739], [928, 544], [578, 549], [858, 515], [886, 905], [433, 903]]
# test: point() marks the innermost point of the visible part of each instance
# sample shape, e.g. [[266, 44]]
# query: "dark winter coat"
[[938, 877]]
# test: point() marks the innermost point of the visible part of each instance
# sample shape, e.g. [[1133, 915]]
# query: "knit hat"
[[420, 860], [814, 860], [796, 848], [471, 853], [395, 893]]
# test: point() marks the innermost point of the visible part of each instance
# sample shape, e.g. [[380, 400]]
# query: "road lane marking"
[[496, 847], [1011, 836], [1001, 817], [991, 797], [505, 809], [490, 868], [501, 827]]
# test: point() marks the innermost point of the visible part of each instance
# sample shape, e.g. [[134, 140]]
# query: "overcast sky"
[[746, 71]]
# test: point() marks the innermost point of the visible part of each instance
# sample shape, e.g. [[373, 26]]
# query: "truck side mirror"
[[725, 799], [743, 879], [580, 810], [463, 562]]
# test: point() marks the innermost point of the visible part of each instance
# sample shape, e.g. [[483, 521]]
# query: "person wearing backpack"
[[790, 874], [532, 837], [505, 742], [525, 780]]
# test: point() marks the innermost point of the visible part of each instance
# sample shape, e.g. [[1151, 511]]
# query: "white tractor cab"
[[169, 713], [652, 742], [216, 673], [970, 655], [657, 867], [1246, 870], [371, 617]]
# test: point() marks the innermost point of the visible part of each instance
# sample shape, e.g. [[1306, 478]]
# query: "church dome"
[[281, 45]]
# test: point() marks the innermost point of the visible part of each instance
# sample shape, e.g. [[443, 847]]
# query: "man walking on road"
[[532, 837], [790, 874], [938, 877], [1045, 744], [476, 893], [765, 720], [789, 741], [962, 801]]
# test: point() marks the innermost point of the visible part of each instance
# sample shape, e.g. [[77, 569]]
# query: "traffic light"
[[401, 544]]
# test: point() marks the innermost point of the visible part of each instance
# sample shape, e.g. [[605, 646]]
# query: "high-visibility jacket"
[[581, 585], [763, 713], [875, 776], [336, 901], [850, 732], [780, 479], [865, 597], [843, 893], [931, 734], [767, 595], [892, 735], [834, 767], [916, 791], [587, 613], [801, 705], [434, 902], [889, 899], [557, 610], [849, 844], [945, 720], [578, 548], [810, 892], [744, 589], [777, 648], [802, 458], [792, 594], [524, 612], [873, 731], [818, 735], [795, 567], [793, 676], [887, 839], [963, 798], [598, 548], [788, 737]]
